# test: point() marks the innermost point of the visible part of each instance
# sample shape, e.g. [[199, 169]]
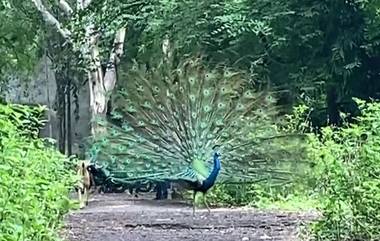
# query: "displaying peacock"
[[188, 124]]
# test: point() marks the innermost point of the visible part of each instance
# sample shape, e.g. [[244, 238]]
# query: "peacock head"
[[216, 155]]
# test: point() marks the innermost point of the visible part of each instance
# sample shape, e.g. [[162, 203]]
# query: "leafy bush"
[[348, 174], [27, 119], [34, 182]]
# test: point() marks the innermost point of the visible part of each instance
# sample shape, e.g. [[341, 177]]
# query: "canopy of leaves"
[[20, 35], [304, 48], [105, 17]]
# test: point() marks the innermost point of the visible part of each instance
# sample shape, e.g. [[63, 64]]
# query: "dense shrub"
[[34, 182], [348, 177], [27, 119]]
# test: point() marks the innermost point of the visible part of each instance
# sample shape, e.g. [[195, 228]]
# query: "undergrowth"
[[262, 196], [34, 181], [348, 177]]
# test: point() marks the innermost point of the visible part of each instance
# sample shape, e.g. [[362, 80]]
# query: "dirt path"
[[116, 217]]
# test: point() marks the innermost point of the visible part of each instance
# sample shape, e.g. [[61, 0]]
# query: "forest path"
[[118, 217]]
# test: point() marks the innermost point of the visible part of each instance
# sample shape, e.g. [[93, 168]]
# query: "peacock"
[[193, 124], [204, 183]]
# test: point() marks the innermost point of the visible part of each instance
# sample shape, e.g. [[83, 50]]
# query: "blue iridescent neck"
[[217, 163]]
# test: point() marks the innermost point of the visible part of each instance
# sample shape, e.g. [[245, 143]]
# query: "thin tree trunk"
[[69, 129], [62, 121], [332, 105]]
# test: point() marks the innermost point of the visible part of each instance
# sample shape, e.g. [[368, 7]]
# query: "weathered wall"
[[41, 88]]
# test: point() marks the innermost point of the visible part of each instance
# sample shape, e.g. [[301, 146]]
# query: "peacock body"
[[189, 124]]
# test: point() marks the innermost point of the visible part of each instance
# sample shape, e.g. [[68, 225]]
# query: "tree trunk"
[[98, 101], [100, 85], [332, 105], [61, 112], [69, 129]]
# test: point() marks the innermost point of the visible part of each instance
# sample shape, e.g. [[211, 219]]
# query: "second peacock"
[[193, 125]]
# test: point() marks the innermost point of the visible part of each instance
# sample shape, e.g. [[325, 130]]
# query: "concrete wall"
[[41, 88]]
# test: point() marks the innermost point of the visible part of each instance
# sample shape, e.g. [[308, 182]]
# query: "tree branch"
[[50, 19], [65, 7], [116, 53], [86, 3], [118, 46], [83, 4]]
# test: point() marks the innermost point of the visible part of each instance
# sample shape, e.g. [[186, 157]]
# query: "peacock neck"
[[217, 164], [216, 169], [210, 180]]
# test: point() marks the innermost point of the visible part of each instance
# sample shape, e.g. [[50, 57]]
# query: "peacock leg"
[[205, 203], [194, 194]]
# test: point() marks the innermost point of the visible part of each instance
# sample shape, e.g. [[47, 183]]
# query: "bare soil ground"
[[118, 217]]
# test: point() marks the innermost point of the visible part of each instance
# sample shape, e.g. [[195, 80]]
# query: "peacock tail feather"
[[166, 121]]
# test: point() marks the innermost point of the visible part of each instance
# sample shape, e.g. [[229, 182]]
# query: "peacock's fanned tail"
[[167, 121]]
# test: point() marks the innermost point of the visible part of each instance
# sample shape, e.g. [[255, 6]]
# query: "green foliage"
[[27, 119], [348, 175], [20, 35], [263, 195], [228, 31], [303, 47], [106, 18], [34, 181]]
